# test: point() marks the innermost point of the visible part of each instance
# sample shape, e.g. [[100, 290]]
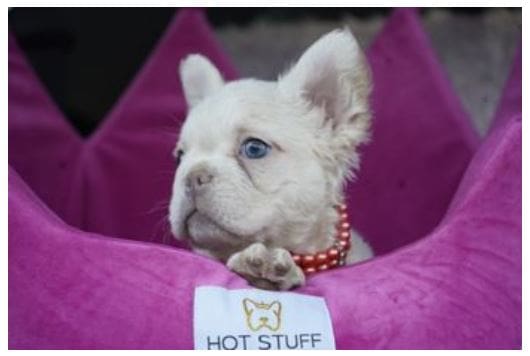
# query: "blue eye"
[[254, 148]]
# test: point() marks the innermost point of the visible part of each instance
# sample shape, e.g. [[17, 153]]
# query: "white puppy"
[[263, 164]]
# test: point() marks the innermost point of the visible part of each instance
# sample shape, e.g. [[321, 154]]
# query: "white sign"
[[254, 319]]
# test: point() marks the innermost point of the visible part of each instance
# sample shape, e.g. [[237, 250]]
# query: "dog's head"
[[266, 161]]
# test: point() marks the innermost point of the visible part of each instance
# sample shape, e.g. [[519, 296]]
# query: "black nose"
[[199, 178]]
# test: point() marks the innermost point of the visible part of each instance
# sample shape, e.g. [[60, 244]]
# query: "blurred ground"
[[476, 50]]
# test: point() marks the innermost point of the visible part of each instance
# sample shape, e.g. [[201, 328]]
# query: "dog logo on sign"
[[261, 315]]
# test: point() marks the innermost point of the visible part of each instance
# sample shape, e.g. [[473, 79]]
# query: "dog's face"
[[265, 161]]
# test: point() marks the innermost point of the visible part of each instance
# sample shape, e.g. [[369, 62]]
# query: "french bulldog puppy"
[[262, 164]]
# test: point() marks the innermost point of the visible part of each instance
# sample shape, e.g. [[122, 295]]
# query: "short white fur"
[[249, 212]]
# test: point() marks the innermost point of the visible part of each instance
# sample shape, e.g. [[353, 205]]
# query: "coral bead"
[[297, 258], [342, 208], [345, 235], [344, 245], [345, 226], [321, 258], [309, 270], [343, 216], [308, 261], [323, 267], [333, 263], [333, 253]]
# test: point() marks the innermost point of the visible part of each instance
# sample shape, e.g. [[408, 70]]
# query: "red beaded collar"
[[333, 256]]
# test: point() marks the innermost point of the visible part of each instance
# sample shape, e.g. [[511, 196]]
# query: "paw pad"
[[281, 269]]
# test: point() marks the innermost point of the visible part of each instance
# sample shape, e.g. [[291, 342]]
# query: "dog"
[[262, 164]]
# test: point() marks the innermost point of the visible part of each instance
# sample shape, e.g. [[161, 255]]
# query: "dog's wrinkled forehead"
[[319, 105], [239, 109]]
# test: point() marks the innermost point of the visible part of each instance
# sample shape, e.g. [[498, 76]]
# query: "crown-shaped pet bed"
[[91, 265]]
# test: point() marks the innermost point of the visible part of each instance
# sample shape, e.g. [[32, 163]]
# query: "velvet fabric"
[[90, 266]]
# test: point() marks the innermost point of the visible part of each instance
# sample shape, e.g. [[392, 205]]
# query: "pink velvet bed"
[[91, 264]]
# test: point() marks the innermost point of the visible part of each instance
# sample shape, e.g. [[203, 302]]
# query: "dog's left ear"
[[333, 76], [199, 77]]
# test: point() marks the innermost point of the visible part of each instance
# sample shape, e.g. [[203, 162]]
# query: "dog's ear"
[[332, 74], [199, 77], [333, 78]]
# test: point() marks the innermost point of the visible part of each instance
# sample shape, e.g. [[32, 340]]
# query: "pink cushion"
[[442, 279]]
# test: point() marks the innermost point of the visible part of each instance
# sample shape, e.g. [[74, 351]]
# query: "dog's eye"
[[178, 155], [254, 148]]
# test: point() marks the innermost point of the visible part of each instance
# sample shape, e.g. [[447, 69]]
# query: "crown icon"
[[260, 315]]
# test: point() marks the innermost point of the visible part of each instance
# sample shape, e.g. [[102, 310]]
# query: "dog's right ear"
[[333, 78], [332, 74], [199, 78]]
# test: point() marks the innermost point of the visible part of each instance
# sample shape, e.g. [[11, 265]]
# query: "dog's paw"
[[267, 268]]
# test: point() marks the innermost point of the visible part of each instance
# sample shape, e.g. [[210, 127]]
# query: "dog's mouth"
[[204, 231], [186, 230], [186, 224]]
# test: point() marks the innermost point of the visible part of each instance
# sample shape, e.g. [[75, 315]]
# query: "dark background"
[[87, 56]]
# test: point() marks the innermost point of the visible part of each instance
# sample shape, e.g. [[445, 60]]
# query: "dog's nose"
[[199, 178]]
